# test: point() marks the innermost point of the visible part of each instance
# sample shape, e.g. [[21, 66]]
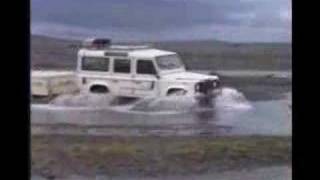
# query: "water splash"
[[172, 104], [83, 100], [230, 98]]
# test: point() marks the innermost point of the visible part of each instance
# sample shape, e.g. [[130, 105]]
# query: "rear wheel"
[[98, 89], [42, 99]]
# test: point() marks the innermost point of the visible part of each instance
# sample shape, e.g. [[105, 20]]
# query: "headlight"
[[214, 83]]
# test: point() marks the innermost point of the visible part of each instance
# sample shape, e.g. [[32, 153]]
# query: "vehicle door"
[[145, 78], [122, 76], [92, 68]]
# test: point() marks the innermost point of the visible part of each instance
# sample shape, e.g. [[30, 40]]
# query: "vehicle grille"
[[206, 86]]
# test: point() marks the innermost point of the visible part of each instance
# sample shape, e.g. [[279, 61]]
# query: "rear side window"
[[145, 67], [95, 64], [122, 65]]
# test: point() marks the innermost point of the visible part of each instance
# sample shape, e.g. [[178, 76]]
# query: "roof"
[[150, 53], [141, 51]]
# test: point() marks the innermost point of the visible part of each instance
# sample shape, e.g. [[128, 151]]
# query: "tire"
[[98, 89], [176, 92]]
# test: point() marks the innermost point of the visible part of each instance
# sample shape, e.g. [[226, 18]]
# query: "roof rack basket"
[[102, 43]]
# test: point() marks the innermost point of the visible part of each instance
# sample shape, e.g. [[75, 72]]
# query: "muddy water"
[[229, 114]]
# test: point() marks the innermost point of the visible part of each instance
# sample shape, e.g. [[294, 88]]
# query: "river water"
[[101, 115]]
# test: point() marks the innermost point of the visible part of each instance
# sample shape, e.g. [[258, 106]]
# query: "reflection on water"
[[229, 114]]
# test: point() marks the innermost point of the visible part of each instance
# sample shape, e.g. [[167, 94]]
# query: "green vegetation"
[[155, 155], [54, 53]]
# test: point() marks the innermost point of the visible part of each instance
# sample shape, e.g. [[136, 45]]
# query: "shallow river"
[[229, 114]]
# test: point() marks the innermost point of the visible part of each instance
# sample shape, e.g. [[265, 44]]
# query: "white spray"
[[232, 99]]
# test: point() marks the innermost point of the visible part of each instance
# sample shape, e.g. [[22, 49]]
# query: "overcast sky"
[[230, 20]]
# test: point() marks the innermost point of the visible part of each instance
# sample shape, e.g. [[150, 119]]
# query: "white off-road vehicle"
[[130, 71]]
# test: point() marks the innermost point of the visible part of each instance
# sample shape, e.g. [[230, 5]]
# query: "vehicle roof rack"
[[128, 47], [96, 43], [103, 43]]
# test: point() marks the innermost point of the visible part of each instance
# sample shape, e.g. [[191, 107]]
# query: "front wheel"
[[176, 92]]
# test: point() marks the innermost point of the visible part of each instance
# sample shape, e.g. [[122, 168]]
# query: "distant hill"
[[53, 53]]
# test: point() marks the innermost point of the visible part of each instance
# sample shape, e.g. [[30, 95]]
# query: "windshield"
[[169, 62]]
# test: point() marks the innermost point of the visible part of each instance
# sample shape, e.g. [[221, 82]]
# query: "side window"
[[122, 65], [95, 64], [145, 67]]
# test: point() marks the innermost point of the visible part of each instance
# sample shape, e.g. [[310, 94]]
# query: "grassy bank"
[[65, 155]]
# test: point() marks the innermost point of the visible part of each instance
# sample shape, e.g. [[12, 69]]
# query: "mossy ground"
[[62, 155]]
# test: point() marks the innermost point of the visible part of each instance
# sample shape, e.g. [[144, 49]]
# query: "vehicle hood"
[[188, 76]]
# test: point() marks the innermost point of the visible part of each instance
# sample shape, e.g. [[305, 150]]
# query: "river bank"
[[62, 156]]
